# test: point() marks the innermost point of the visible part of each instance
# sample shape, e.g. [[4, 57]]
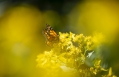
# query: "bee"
[[50, 35]]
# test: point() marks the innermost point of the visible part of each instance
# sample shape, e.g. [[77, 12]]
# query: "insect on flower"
[[50, 35]]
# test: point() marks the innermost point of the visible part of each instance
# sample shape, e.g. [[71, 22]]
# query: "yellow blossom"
[[70, 54]]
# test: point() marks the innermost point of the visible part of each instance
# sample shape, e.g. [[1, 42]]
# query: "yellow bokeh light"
[[96, 16]]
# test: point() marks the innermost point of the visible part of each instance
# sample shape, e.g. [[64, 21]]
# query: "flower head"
[[70, 52]]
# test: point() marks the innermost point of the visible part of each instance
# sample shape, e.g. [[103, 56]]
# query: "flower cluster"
[[69, 56]]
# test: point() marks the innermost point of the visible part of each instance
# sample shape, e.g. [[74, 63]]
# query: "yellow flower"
[[69, 52]]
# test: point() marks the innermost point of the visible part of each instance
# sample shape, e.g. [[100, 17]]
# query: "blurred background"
[[22, 22]]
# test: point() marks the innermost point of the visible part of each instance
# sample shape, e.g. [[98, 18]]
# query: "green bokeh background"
[[22, 22]]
